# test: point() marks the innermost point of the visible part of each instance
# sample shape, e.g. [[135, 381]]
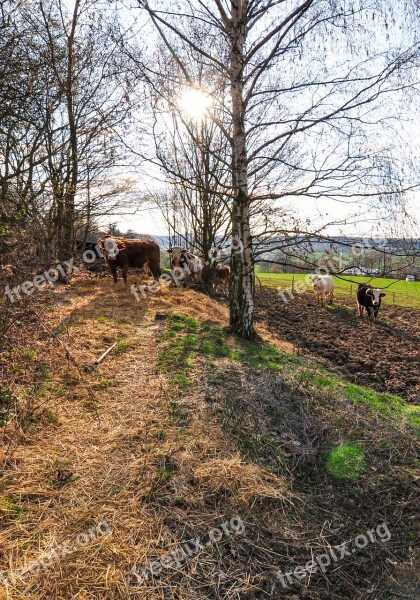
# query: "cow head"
[[111, 247], [376, 295], [178, 256], [316, 281]]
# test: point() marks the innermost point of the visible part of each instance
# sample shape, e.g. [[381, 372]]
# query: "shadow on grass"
[[187, 339]]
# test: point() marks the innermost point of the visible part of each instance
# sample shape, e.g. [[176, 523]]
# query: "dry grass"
[[125, 449], [248, 484], [125, 453]]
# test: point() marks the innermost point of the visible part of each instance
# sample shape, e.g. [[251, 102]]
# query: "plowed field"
[[384, 355]]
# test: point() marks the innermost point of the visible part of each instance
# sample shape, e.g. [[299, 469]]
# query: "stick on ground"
[[101, 358]]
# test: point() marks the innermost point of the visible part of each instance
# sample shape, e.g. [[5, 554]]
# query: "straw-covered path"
[[108, 479]]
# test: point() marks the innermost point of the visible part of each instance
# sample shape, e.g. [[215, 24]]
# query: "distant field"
[[401, 293]]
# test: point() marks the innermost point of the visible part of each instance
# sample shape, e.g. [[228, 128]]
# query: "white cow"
[[323, 287], [189, 263]]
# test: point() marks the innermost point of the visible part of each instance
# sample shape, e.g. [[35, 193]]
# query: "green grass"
[[400, 293], [346, 462], [9, 509], [183, 342], [187, 339], [122, 346]]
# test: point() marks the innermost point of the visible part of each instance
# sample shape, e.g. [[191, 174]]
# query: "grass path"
[[100, 455]]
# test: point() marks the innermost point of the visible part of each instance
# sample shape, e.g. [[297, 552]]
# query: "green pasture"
[[398, 292]]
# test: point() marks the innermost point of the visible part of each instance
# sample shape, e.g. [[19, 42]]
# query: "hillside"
[[264, 473]]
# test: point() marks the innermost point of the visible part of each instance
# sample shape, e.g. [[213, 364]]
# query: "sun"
[[194, 103]]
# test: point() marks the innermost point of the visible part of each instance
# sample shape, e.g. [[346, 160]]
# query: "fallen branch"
[[101, 358]]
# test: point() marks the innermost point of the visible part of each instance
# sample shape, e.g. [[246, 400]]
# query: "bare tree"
[[63, 96], [306, 81], [193, 160], [191, 152], [90, 76]]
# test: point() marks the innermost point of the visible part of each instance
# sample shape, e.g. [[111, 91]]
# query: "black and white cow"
[[190, 264], [369, 298]]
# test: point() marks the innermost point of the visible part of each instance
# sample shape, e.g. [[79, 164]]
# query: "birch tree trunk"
[[242, 268]]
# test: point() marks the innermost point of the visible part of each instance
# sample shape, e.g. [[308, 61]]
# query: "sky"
[[318, 212], [151, 222]]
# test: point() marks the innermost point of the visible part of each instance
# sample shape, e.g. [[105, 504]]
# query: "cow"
[[369, 298], [221, 280], [217, 277], [125, 253], [190, 264], [323, 287]]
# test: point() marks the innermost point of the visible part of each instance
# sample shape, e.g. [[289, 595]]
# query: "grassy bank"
[[345, 453], [187, 339]]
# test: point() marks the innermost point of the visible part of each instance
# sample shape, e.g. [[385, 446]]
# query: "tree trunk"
[[242, 269], [205, 187], [66, 249]]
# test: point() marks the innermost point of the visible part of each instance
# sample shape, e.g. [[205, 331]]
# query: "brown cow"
[[221, 280], [125, 253], [190, 263], [217, 277]]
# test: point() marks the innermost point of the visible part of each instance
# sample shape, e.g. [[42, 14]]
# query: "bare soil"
[[383, 355]]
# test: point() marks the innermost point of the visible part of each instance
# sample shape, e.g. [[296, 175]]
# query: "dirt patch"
[[384, 355]]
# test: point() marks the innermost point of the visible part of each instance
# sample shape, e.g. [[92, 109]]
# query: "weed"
[[7, 403], [29, 354], [104, 384]]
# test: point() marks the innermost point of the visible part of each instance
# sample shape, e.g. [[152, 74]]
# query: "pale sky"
[[151, 221]]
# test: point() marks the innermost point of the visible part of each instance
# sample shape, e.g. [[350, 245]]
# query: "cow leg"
[[156, 272], [360, 309], [368, 311], [331, 297], [125, 272], [114, 274]]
